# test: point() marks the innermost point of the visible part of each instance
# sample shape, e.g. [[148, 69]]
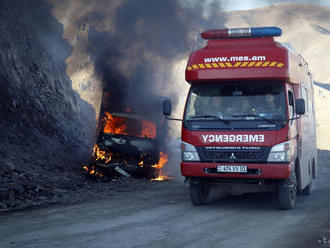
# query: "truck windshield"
[[237, 101], [128, 124]]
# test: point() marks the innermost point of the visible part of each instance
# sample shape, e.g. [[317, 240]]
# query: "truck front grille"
[[233, 154]]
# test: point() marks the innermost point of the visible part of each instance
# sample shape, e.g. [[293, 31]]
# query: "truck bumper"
[[266, 171]]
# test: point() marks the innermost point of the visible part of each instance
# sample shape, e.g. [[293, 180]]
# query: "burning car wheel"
[[288, 192], [146, 172], [198, 193]]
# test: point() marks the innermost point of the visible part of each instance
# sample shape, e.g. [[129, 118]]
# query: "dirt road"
[[160, 215]]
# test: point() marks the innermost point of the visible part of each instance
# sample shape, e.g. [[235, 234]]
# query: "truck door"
[[293, 130], [293, 123]]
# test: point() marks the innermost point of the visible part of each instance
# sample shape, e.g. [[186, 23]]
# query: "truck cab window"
[[240, 101], [291, 104]]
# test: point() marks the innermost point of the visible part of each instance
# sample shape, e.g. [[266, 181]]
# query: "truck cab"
[[249, 122]]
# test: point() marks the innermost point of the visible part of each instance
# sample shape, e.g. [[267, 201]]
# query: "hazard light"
[[241, 33]]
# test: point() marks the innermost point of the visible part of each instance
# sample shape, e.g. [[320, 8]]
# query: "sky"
[[251, 4]]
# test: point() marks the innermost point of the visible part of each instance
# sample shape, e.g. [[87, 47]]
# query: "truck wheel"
[[287, 192], [198, 193], [308, 190]]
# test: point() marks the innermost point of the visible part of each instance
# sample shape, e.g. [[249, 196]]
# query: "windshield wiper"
[[209, 116], [254, 115]]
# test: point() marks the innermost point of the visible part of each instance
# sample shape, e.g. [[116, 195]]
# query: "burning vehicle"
[[128, 144]]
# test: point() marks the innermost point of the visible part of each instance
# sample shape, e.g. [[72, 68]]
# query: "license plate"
[[232, 168]]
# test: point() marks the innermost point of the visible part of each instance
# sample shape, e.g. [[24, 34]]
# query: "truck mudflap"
[[269, 171]]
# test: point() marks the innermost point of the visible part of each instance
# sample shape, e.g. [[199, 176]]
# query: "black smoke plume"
[[148, 38]]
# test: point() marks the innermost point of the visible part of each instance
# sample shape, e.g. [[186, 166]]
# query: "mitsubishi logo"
[[232, 157]]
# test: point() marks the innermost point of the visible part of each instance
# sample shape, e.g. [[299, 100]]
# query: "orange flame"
[[114, 124], [148, 129], [161, 177], [92, 171], [162, 161], [101, 155], [106, 158], [118, 125]]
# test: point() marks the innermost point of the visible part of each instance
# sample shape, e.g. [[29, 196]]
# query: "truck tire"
[[308, 190], [199, 193], [287, 192]]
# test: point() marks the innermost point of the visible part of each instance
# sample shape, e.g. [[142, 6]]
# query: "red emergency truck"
[[249, 122]]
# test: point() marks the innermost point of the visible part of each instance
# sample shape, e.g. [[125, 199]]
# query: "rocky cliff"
[[46, 128]]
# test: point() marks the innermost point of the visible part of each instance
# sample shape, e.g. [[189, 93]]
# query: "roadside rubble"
[[19, 190]]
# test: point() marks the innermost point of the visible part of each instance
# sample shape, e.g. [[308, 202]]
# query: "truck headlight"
[[281, 152], [189, 152]]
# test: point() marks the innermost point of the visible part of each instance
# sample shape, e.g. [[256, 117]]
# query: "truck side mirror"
[[167, 107], [300, 106]]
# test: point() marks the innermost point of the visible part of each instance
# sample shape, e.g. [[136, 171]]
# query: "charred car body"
[[127, 141]]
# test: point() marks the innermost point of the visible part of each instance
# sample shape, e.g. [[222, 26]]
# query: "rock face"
[[46, 129]]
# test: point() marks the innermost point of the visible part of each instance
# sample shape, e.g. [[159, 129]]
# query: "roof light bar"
[[241, 33]]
